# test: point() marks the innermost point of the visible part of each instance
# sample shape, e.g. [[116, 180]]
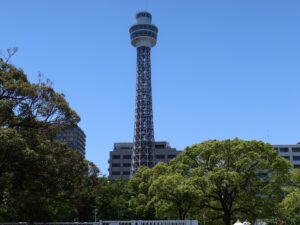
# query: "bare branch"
[[10, 52]]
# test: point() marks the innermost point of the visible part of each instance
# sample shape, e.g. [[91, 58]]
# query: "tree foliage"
[[23, 104], [288, 211], [112, 200], [174, 196], [235, 178], [140, 198], [41, 179], [219, 181]]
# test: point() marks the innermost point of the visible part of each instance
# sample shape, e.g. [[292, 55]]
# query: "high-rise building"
[[143, 36], [74, 137]]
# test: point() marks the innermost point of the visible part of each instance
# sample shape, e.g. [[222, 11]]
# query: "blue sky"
[[221, 69]]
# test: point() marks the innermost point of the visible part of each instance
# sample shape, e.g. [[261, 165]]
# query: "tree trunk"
[[180, 214], [226, 219]]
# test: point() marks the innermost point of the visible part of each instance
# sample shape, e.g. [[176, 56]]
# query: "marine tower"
[[143, 36]]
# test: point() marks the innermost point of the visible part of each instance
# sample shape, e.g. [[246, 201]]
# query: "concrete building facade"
[[290, 152], [120, 158]]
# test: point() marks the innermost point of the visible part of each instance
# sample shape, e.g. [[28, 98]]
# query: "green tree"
[[289, 208], [160, 193], [291, 202], [112, 200], [41, 179], [140, 199], [13, 153], [173, 195], [90, 190], [27, 105], [235, 178]]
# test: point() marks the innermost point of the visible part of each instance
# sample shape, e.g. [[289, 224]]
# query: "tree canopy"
[[218, 181], [288, 211], [235, 178], [41, 179]]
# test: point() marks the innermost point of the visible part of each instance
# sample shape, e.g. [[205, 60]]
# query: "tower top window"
[[143, 14]]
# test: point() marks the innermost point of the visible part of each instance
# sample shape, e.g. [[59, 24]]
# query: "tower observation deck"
[[143, 36]]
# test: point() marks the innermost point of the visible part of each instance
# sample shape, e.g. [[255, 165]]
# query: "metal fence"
[[129, 222]]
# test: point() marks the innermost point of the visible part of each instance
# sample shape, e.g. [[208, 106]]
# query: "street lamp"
[[96, 210]]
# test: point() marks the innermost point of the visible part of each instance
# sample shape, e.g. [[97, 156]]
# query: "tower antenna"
[[146, 5]]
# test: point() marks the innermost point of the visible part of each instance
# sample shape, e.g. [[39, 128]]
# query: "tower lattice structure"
[[143, 37]]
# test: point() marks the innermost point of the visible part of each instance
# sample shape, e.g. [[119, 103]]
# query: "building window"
[[126, 172], [115, 165], [262, 176], [295, 149], [159, 146], [125, 148], [296, 166], [284, 149], [115, 156], [126, 156], [116, 173], [171, 156], [160, 156], [126, 164], [296, 158], [286, 157]]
